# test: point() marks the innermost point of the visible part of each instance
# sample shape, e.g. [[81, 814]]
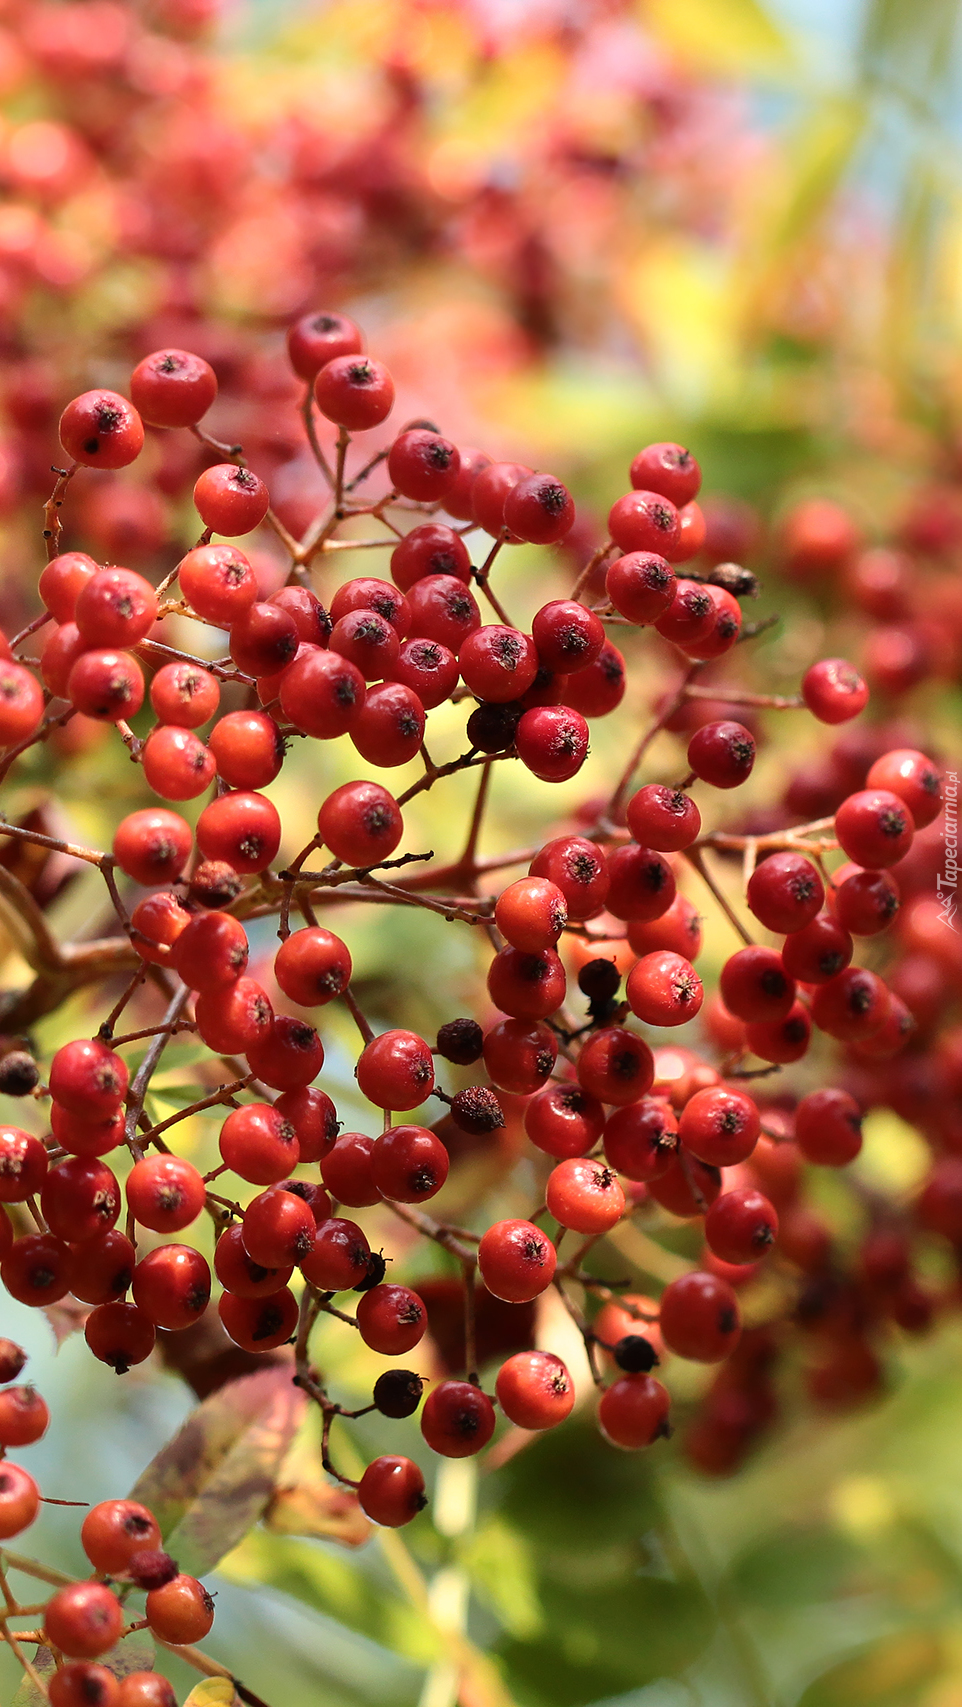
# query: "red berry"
[[177, 766], [23, 1164], [153, 846], [258, 1143], [457, 500], [61, 650], [567, 636], [184, 694], [818, 952], [833, 691], [564, 1120], [119, 1335], [106, 685], [578, 869], [165, 1193], [171, 1285], [914, 778], [242, 828], [615, 1065], [19, 1500], [526, 986], [641, 1140], [82, 1683], [218, 583], [457, 1419], [37, 1269], [314, 1118], [741, 1226], [633, 1412], [354, 391], [864, 902], [146, 1689], [875, 828], [113, 1531], [584, 1196], [312, 966], [669, 469], [248, 749], [259, 1324], [725, 626], [288, 1056], [101, 430], [517, 1261], [278, 1227], [396, 1070], [390, 727], [369, 641], [691, 616], [828, 1127], [80, 1199], [391, 1491], [519, 1055], [103, 1269], [781, 1040], [238, 1273], [719, 1126], [232, 1020], [310, 618], [173, 388], [263, 639], [88, 1079], [443, 610], [755, 985], [409, 1164], [722, 754], [21, 703], [83, 1620], [785, 892], [115, 608], [429, 550], [645, 521], [23, 1416], [322, 693], [490, 490], [61, 581], [339, 1258], [181, 1611], [498, 663], [211, 952], [852, 1005], [641, 883], [699, 1317], [664, 989], [361, 823], [539, 509], [347, 1172], [423, 465], [535, 1390], [641, 586], [317, 338], [552, 741], [392, 1319], [663, 818], [230, 500], [678, 930]]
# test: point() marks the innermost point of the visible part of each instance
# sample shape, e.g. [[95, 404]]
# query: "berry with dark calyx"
[[24, 1416], [755, 985], [101, 430], [390, 725], [579, 870], [278, 1228], [526, 986], [785, 892], [19, 1500], [12, 1360], [409, 1164], [113, 1531], [396, 1070], [248, 749], [444, 610], [640, 1141], [828, 1127], [875, 828], [234, 1018], [519, 1055], [699, 1317], [103, 1268], [691, 616], [517, 1261], [852, 1005], [21, 703], [635, 1355], [819, 951], [741, 1226], [722, 754], [184, 695], [914, 778], [641, 586], [833, 691], [428, 669], [431, 549], [311, 620], [477, 1110], [539, 509], [457, 1419], [584, 1195], [172, 388], [531, 914], [314, 1118], [346, 1171], [181, 1611], [218, 582], [663, 818], [863, 902], [321, 693], [83, 1683], [238, 1273], [564, 1120], [158, 921], [230, 500], [165, 1193], [664, 989], [641, 882], [567, 635], [340, 1257], [317, 338], [87, 1079], [172, 1286], [498, 663], [369, 641], [361, 823], [781, 1040], [242, 828], [211, 952], [151, 1567], [460, 1041], [633, 1412], [719, 1126], [645, 521], [115, 608], [80, 1199], [355, 392], [259, 1324], [152, 846], [615, 1065], [106, 685], [312, 966], [83, 1620], [367, 593], [263, 639], [392, 1319], [535, 1390], [146, 1689], [669, 469], [599, 688], [37, 1269], [423, 465], [391, 1491], [397, 1393], [120, 1335], [23, 1165], [552, 742], [489, 493]]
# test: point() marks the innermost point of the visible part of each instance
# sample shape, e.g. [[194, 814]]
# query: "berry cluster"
[[622, 1127]]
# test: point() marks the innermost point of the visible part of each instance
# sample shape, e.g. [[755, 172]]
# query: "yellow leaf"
[[212, 1692], [720, 35]]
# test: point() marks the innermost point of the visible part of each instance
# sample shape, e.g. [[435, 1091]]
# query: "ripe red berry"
[[172, 388], [498, 663], [517, 1261], [340, 1257], [347, 1173], [677, 930], [391, 1491], [390, 726], [615, 1065], [645, 521], [781, 1040], [238, 1273], [633, 1412], [312, 966], [361, 823], [211, 952], [218, 582], [177, 766], [457, 1420], [690, 619], [914, 778], [106, 685], [864, 902], [171, 1285], [834, 691], [83, 1683], [443, 610], [61, 650], [258, 1143], [83, 1620], [23, 1416], [259, 1324], [669, 469], [288, 1056], [409, 1164], [641, 883], [310, 618], [21, 703], [578, 869], [457, 501], [699, 1317], [722, 754], [152, 846], [317, 338], [531, 914], [640, 1141], [230, 500], [314, 1118], [146, 1689], [181, 1611], [165, 1193], [263, 639], [664, 989], [564, 1120], [828, 1127], [248, 749], [115, 608], [242, 828], [641, 586], [519, 1055], [535, 1390], [852, 1005], [755, 985], [101, 430], [584, 1196], [741, 1225], [526, 986], [819, 951], [422, 465], [875, 828], [88, 1079], [322, 693], [663, 818], [392, 1319], [119, 1335], [719, 1126], [61, 580], [370, 642], [539, 509], [103, 1268], [489, 492], [278, 1227], [785, 892], [184, 694], [396, 1070], [13, 1359], [234, 1019], [354, 391], [23, 1164], [431, 549], [568, 637], [19, 1500], [80, 1199], [113, 1531], [552, 742]]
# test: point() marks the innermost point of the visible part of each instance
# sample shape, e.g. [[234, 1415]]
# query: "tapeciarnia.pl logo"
[[948, 882]]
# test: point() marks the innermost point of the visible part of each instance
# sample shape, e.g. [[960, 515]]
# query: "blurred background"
[[569, 227]]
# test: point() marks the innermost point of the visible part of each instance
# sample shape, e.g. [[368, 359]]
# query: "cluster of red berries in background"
[[621, 1126]]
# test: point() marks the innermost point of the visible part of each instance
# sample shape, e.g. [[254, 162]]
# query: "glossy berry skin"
[[431, 549], [678, 930], [828, 1127], [83, 1683], [101, 430], [234, 1018], [564, 1120], [106, 685], [428, 669], [567, 636], [182, 1611], [115, 608], [119, 1335], [369, 641], [722, 754], [278, 1228], [361, 823], [102, 1268], [346, 1171], [61, 581], [177, 766], [23, 1165], [218, 582], [317, 338], [584, 1196], [690, 618], [242, 828], [259, 1144], [247, 748], [552, 742], [60, 652], [852, 1006], [489, 493], [152, 846], [396, 1070], [311, 620], [755, 986], [645, 521], [230, 500], [263, 639], [146, 1689], [875, 828], [80, 1199], [259, 1324], [719, 1126], [423, 465], [339, 1258], [664, 989], [171, 1285], [641, 586], [391, 1491], [633, 1412], [392, 1319], [498, 663], [312, 966], [23, 1416], [239, 1274], [641, 883], [37, 1269], [88, 1078], [863, 902], [517, 1261], [785, 892], [663, 818], [519, 1055], [443, 609], [526, 986], [640, 1141], [699, 1317], [390, 726], [457, 1420], [355, 392], [165, 1193], [615, 1065], [322, 693], [172, 388], [21, 703], [535, 1390], [409, 1164], [599, 688], [579, 870], [781, 1040], [531, 914], [741, 1225], [314, 1119], [819, 951], [113, 1531], [914, 778], [83, 1620], [669, 469], [833, 691], [19, 1500], [539, 509]]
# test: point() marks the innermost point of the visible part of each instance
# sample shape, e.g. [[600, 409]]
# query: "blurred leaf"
[[722, 35], [212, 1692], [912, 50], [134, 1653], [66, 1317], [211, 1483], [500, 1567], [319, 1511]]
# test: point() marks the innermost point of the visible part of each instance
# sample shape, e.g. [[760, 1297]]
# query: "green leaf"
[[728, 36], [499, 1564], [212, 1692], [211, 1483], [134, 1653]]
